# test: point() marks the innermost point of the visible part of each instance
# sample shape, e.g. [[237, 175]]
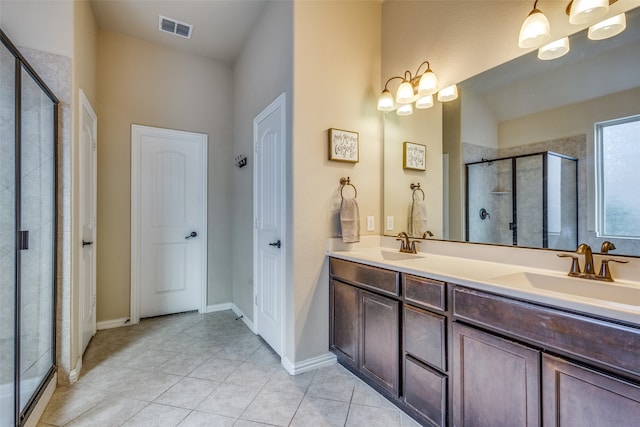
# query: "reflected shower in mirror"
[[519, 108]]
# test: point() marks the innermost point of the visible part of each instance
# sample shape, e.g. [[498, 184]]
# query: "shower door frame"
[[513, 225], [20, 416]]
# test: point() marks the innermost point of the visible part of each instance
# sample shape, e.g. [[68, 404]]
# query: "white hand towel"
[[418, 223], [350, 221]]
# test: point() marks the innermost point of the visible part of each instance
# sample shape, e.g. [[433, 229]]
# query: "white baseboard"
[[75, 372], [219, 307], [321, 361], [115, 323]]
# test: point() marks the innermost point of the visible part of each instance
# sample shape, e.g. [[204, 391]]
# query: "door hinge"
[[94, 144], [256, 300], [255, 223], [93, 302]]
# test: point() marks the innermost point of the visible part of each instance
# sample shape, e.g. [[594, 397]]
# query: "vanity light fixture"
[[554, 49], [418, 88], [608, 28], [536, 30]]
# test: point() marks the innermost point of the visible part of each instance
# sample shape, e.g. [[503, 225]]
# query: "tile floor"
[[207, 370]]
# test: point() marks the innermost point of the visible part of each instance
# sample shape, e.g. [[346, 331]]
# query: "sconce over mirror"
[[527, 106]]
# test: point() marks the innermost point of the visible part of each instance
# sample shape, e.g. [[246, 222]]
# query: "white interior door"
[[269, 233], [88, 182], [168, 221]]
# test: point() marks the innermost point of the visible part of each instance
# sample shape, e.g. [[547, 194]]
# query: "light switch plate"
[[390, 222], [370, 223]]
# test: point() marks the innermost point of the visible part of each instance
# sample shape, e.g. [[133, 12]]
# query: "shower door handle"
[[23, 240]]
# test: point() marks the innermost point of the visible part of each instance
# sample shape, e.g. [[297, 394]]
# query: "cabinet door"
[[577, 396], [343, 318], [380, 343], [496, 382]]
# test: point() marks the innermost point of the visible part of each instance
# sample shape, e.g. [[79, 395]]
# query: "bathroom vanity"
[[477, 351]]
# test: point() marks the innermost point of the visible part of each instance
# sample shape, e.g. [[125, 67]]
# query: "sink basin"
[[398, 256], [606, 291]]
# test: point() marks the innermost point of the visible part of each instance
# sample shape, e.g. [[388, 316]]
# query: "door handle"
[[84, 243], [276, 244], [193, 234]]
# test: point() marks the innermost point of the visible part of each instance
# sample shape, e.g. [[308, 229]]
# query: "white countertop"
[[488, 276]]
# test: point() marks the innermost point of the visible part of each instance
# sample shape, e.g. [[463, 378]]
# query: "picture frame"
[[414, 156], [344, 145]]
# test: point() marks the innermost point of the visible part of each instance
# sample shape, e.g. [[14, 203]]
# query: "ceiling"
[[220, 27]]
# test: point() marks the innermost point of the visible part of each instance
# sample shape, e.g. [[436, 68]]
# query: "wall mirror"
[[513, 160]]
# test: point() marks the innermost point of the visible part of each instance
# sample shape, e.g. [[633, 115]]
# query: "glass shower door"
[[7, 236], [36, 246]]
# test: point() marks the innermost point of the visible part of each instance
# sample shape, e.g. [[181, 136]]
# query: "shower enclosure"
[[28, 135], [529, 200]]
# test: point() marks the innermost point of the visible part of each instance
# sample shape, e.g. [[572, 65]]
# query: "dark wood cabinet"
[[365, 325], [425, 391], [380, 342], [496, 382], [574, 395], [343, 327]]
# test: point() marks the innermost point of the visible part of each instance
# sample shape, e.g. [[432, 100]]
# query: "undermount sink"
[[398, 256], [606, 291]]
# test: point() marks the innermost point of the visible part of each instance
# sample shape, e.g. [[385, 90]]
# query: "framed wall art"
[[344, 146], [414, 156]]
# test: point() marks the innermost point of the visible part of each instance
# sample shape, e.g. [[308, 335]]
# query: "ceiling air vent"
[[171, 26]]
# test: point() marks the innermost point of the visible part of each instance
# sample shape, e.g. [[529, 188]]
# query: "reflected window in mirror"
[[617, 173]]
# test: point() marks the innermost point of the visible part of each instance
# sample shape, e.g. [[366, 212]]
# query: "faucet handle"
[[605, 273], [575, 265]]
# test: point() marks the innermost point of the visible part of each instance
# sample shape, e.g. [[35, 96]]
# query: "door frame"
[[136, 132], [279, 102], [85, 105]]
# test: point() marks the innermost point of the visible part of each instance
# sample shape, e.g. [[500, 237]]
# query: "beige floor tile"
[[320, 413], [182, 363], [250, 374], [332, 388], [204, 419], [272, 407], [155, 415], [295, 384], [68, 403], [363, 394], [145, 386], [370, 416], [112, 411], [229, 400], [215, 369], [187, 393]]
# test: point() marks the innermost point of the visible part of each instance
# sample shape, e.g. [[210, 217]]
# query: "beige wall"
[[262, 72], [336, 83], [146, 84], [83, 76], [39, 24]]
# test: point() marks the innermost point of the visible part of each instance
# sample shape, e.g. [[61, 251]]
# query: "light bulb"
[[405, 110], [425, 102], [535, 30], [385, 101], [585, 11], [554, 49], [405, 93], [449, 93], [608, 28], [428, 83]]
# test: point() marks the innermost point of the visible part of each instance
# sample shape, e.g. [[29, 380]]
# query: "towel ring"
[[415, 188], [347, 182]]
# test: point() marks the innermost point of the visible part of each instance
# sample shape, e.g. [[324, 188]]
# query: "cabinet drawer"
[[594, 341], [424, 336], [425, 391], [379, 279], [427, 292]]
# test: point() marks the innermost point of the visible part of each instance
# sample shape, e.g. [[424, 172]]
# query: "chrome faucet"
[[406, 246], [589, 270]]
